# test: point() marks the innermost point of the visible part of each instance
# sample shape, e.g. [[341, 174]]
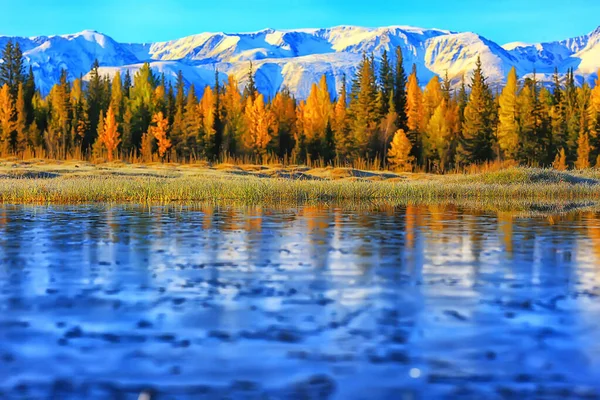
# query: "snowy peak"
[[297, 58], [457, 54], [582, 53]]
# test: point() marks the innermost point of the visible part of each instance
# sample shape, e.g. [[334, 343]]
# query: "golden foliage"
[[583, 152], [399, 154], [316, 111], [259, 125], [207, 110], [560, 162], [413, 103], [432, 98], [7, 113], [109, 136], [159, 129], [508, 136]]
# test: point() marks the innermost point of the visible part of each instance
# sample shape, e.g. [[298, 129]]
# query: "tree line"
[[381, 113]]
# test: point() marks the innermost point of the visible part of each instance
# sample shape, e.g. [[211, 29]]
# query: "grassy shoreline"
[[77, 183]]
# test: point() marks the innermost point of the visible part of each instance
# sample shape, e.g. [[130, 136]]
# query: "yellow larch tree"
[[109, 136], [432, 98], [593, 118], [413, 103], [159, 129], [438, 137], [594, 104], [560, 162], [508, 127], [207, 110], [414, 111], [159, 102], [259, 125], [399, 156], [316, 113], [7, 123], [583, 151], [234, 112]]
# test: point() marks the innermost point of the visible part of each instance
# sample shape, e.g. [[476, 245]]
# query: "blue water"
[[100, 302]]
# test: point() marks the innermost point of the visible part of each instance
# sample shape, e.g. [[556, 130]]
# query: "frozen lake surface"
[[100, 302]]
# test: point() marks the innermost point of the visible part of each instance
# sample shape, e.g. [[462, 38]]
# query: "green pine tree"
[[12, 70], [477, 141], [250, 90], [364, 111], [400, 90], [386, 81]]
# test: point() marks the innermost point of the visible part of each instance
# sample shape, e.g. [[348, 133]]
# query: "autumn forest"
[[383, 114]]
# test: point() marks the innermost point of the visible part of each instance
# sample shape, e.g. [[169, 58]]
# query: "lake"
[[313, 303]]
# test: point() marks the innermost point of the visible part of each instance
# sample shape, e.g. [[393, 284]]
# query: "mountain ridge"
[[295, 58]]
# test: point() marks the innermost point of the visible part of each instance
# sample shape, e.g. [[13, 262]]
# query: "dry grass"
[[69, 182]]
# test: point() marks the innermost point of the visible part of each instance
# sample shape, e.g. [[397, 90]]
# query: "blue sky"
[[154, 20]]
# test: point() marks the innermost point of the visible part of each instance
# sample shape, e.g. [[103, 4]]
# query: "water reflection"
[[421, 301]]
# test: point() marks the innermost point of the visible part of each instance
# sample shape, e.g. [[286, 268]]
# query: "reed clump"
[[286, 186]]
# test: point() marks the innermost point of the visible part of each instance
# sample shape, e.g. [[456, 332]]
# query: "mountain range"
[[297, 58]]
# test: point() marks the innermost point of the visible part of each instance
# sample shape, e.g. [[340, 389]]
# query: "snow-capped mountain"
[[297, 58]]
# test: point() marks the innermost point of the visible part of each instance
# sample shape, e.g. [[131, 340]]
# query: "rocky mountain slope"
[[297, 58]]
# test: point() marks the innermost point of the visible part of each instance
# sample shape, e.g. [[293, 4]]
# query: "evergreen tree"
[[364, 110], [558, 124], [61, 115], [534, 134], [144, 101], [171, 104], [28, 93], [127, 83], [217, 125], [446, 87], [180, 96], [400, 89], [341, 130], [12, 70], [250, 90], [80, 122], [95, 102], [284, 111], [572, 118], [192, 124], [387, 127], [386, 82], [476, 143], [21, 121], [177, 135], [117, 97], [593, 118], [234, 125]]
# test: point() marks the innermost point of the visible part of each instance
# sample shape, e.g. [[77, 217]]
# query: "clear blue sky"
[[154, 20]]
